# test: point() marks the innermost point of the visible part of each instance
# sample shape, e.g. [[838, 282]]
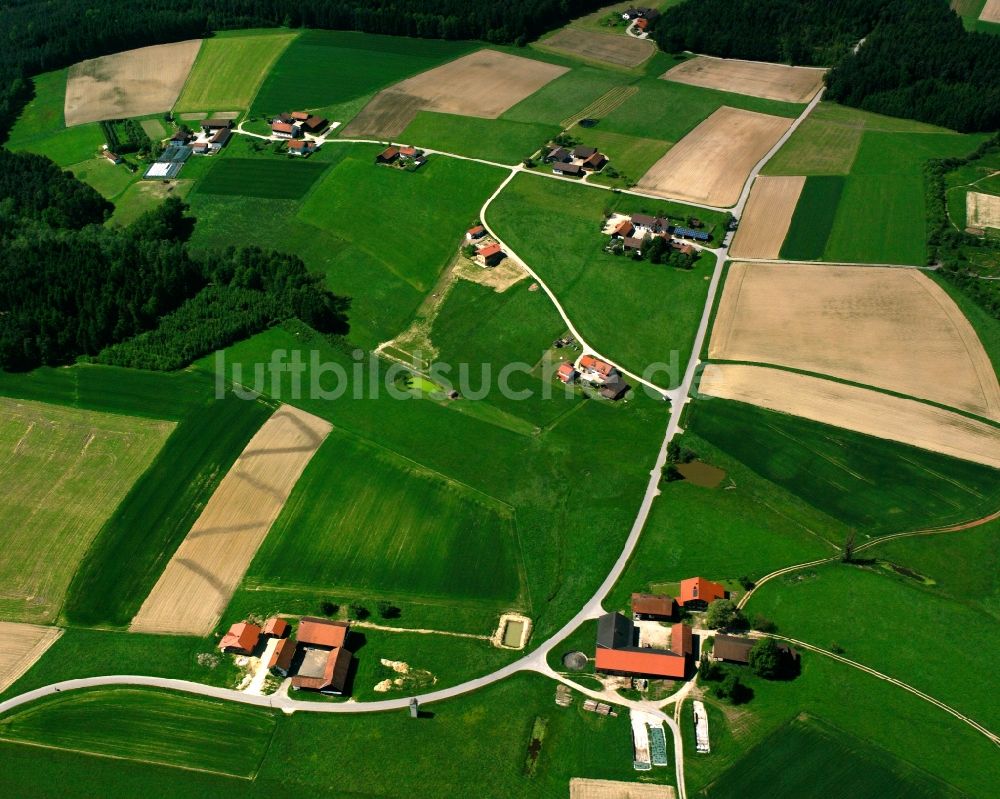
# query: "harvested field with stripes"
[[756, 78], [991, 11], [860, 409], [482, 84], [129, 84], [894, 329], [619, 51], [982, 210], [711, 164], [602, 106], [767, 216], [200, 578], [23, 644]]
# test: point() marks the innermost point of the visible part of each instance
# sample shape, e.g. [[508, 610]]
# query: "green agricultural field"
[[364, 520], [273, 179], [630, 156], [145, 195], [833, 603], [68, 146], [546, 477], [567, 95], [635, 312], [746, 527], [817, 147], [808, 758], [149, 727], [874, 485], [65, 473], [324, 68], [106, 178], [122, 567], [666, 110], [43, 115], [230, 68], [492, 139], [813, 218]]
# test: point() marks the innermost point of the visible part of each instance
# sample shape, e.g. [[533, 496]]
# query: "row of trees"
[[137, 296], [917, 60]]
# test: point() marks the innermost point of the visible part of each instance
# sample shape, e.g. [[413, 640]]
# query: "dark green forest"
[[917, 61], [137, 297]]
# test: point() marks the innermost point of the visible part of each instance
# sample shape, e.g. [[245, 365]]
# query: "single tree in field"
[[765, 659], [722, 614], [329, 608], [847, 553], [359, 612]]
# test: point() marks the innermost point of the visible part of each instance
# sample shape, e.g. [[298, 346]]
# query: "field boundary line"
[[265, 74], [107, 756], [993, 737]]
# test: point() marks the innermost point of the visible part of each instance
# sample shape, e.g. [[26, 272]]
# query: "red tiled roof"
[[282, 127], [275, 626], [283, 654], [680, 640], [300, 115], [314, 122], [488, 250], [698, 588], [566, 370], [301, 144], [653, 604], [320, 632], [334, 675], [243, 636], [603, 368], [475, 231], [636, 661], [624, 228], [389, 152]]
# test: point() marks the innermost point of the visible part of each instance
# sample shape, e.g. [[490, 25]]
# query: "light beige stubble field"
[[23, 645], [756, 78], [768, 214], [991, 11], [860, 409], [890, 328], [198, 582], [128, 84], [982, 210], [622, 51], [482, 84], [711, 164]]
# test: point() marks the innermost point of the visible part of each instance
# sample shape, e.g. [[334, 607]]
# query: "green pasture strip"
[[364, 519], [493, 139], [148, 726], [275, 179], [322, 68], [123, 565], [813, 218], [43, 115], [871, 484]]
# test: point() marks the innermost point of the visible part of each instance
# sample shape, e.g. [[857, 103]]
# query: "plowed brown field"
[[200, 578]]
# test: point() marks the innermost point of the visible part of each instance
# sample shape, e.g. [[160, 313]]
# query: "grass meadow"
[[813, 218], [635, 312], [808, 758], [873, 485], [493, 139], [364, 521], [630, 156], [323, 68], [122, 567], [833, 605], [567, 95], [67, 146], [229, 69], [148, 726], [43, 115], [109, 180], [144, 195], [65, 473], [266, 178]]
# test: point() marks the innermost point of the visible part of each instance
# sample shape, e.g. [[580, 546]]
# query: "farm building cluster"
[[316, 660], [576, 162], [487, 251], [600, 374], [401, 156], [638, 234], [294, 128], [622, 650], [214, 135]]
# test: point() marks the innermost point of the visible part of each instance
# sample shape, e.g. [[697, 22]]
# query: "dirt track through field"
[[621, 51], [860, 409], [711, 164], [200, 578], [129, 84], [23, 645], [768, 214], [482, 84], [982, 210], [894, 329], [756, 78], [991, 11]]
